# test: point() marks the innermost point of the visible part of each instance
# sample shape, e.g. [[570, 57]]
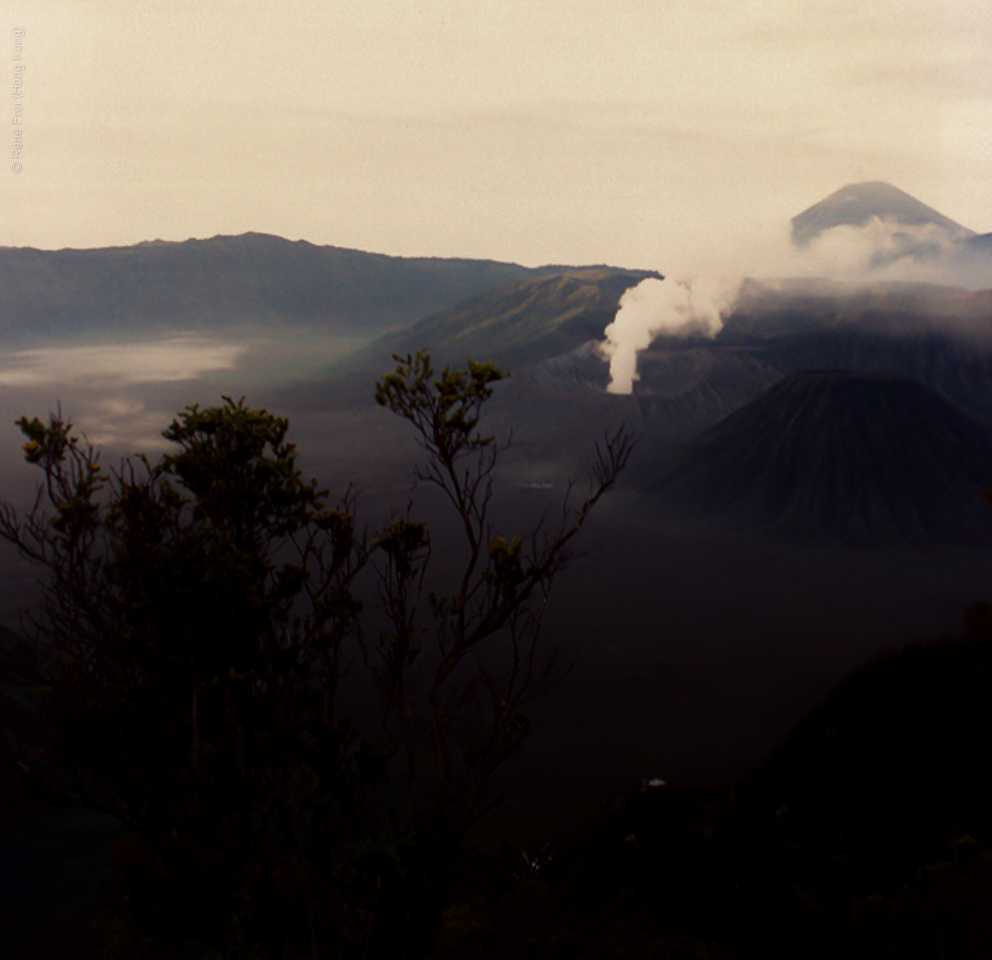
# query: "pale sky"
[[633, 132]]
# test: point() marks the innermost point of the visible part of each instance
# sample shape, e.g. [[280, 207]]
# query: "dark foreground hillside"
[[868, 834]]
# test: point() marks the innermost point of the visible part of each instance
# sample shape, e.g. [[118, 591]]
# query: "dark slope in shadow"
[[867, 834], [837, 455]]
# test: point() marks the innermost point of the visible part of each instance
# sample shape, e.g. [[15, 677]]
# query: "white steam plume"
[[679, 308], [880, 250]]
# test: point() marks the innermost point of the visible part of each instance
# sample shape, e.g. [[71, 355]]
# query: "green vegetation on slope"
[[517, 325]]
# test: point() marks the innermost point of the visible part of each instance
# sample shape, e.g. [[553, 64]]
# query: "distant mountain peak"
[[857, 204]]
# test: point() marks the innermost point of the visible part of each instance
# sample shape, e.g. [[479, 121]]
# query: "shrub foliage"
[[192, 658]]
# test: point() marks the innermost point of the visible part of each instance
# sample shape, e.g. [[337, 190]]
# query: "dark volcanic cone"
[[840, 455]]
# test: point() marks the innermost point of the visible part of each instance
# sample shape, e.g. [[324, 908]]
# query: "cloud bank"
[[694, 303]]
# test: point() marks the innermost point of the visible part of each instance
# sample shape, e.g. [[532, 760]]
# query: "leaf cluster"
[[196, 646]]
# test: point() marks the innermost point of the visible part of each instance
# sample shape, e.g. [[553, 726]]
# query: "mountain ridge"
[[230, 281], [519, 325]]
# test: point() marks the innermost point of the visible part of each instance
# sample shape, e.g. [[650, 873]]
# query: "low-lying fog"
[[123, 394]]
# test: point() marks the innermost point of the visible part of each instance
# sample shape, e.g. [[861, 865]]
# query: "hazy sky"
[[635, 132]]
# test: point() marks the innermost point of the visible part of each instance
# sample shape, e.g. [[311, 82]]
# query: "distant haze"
[[638, 134]]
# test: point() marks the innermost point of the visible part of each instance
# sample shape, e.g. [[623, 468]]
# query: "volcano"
[[836, 455], [858, 204]]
